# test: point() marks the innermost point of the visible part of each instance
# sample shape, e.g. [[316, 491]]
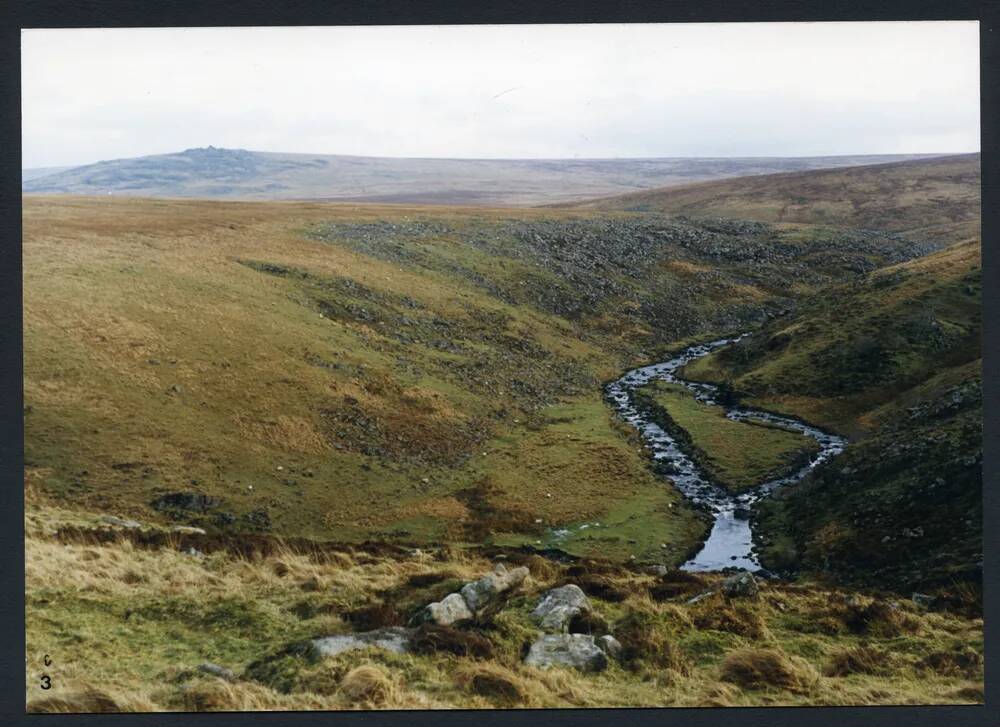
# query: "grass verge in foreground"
[[127, 627]]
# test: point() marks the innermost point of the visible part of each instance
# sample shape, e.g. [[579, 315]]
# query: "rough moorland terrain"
[[893, 359], [147, 620], [931, 199]]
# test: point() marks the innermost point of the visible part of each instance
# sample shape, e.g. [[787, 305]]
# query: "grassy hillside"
[[934, 199], [893, 360], [242, 174], [377, 372]]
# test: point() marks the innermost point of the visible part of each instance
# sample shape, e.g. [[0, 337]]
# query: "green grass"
[[737, 455], [567, 467]]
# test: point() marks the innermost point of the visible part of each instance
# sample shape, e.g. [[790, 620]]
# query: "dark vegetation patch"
[[431, 638], [282, 670], [86, 701], [735, 617], [588, 622], [881, 619], [251, 546], [190, 501], [605, 588], [677, 584], [646, 641], [862, 659], [768, 669], [494, 683], [375, 616], [421, 580], [487, 515], [960, 661]]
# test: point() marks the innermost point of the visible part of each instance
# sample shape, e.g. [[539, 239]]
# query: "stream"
[[730, 543]]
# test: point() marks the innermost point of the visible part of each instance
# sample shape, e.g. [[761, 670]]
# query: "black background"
[[17, 14]]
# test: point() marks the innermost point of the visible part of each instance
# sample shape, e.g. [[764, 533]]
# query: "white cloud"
[[503, 91]]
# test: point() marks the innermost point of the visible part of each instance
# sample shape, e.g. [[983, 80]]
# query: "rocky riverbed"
[[730, 542]]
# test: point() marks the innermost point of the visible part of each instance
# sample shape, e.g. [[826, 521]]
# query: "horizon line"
[[509, 159]]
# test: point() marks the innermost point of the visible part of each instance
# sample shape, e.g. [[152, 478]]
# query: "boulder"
[[558, 606], [577, 651], [217, 671], [479, 594], [394, 638], [120, 522], [450, 610], [187, 530], [740, 585], [609, 645]]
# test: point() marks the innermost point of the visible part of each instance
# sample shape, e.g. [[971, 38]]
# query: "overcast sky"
[[777, 89]]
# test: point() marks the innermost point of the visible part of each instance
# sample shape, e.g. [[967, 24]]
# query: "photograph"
[[531, 366]]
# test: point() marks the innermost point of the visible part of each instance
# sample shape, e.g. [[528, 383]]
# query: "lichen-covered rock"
[[740, 585], [394, 638], [700, 597], [577, 651], [217, 671], [450, 610], [187, 530], [481, 593], [609, 645], [120, 522], [558, 606]]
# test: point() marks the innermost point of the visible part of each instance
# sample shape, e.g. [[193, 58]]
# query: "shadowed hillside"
[[894, 360], [934, 199]]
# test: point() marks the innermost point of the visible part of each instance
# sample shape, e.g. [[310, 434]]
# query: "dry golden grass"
[[137, 620], [368, 685], [861, 659], [768, 669]]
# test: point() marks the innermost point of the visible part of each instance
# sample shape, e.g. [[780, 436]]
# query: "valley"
[[267, 422]]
